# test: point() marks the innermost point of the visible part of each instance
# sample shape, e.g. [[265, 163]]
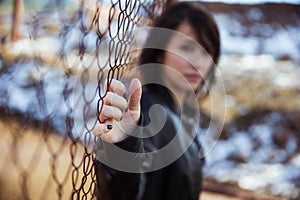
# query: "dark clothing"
[[180, 179]]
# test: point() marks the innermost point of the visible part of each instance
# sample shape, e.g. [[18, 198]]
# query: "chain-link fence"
[[50, 86]]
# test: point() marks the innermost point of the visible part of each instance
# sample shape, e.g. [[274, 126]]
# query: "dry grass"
[[214, 196], [26, 167]]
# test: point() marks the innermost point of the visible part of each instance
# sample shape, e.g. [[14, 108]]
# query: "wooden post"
[[17, 18]]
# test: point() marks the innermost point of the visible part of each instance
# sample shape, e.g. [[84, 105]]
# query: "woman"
[[138, 126]]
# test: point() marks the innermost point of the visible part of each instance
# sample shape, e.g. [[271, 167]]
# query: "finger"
[[115, 100], [101, 128], [115, 86], [135, 95], [110, 113]]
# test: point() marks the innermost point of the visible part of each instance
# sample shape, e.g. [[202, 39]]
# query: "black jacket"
[[180, 179]]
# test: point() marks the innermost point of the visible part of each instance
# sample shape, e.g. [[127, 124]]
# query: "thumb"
[[135, 95]]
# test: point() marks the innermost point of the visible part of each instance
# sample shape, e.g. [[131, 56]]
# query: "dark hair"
[[201, 21]]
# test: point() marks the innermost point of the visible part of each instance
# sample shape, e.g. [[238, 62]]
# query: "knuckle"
[[118, 86], [115, 100], [111, 112], [117, 113], [105, 110], [109, 96]]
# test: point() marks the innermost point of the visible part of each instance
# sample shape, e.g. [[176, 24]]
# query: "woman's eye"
[[187, 48]]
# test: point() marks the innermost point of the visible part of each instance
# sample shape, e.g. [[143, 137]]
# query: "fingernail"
[[109, 126]]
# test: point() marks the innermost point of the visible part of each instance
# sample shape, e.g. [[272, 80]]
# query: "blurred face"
[[187, 59]]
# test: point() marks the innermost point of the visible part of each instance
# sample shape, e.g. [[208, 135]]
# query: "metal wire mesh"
[[50, 90]]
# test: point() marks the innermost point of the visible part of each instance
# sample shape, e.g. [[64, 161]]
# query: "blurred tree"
[[17, 15]]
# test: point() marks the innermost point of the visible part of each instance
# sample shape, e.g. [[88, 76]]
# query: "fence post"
[[17, 15]]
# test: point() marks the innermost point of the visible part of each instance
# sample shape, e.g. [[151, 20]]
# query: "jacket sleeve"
[[116, 173]]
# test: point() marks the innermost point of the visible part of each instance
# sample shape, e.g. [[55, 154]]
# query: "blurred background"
[[54, 53]]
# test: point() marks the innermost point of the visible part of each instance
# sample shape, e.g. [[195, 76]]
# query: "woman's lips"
[[192, 77]]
